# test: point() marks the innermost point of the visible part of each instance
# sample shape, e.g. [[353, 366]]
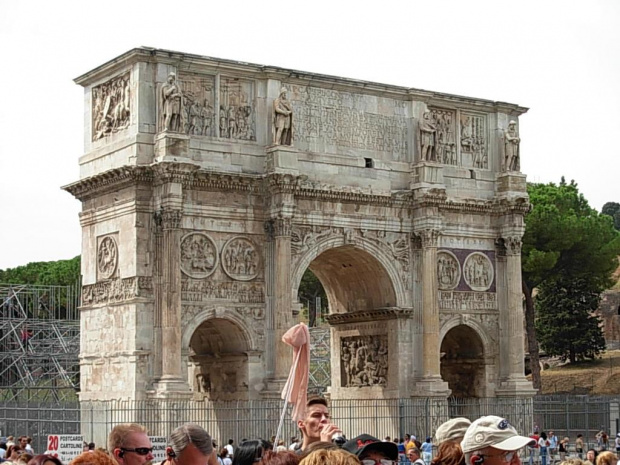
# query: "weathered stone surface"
[[212, 185]]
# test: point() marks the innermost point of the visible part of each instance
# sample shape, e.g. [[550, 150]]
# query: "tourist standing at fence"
[[370, 451], [316, 425], [543, 447], [427, 450], [534, 446], [229, 447], [413, 454], [130, 445], [192, 445], [553, 447], [579, 446], [448, 439], [563, 448], [492, 440]]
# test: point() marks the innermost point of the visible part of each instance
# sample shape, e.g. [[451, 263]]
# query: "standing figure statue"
[[282, 120], [172, 103], [511, 147], [428, 131]]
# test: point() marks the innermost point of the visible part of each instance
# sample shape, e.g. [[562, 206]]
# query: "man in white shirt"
[[229, 447]]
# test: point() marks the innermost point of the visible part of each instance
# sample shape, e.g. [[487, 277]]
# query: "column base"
[[171, 387], [518, 386], [273, 388], [431, 387]]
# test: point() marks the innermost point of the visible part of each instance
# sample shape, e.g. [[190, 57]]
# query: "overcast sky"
[[559, 58]]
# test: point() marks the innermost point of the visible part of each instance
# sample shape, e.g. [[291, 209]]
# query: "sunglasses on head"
[[139, 450]]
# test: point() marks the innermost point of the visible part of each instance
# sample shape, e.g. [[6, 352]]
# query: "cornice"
[[377, 314], [188, 62], [109, 181]]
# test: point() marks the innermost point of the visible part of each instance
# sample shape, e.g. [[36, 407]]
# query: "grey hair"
[[188, 434]]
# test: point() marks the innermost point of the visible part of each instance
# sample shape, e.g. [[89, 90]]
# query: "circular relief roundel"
[[107, 257], [240, 259], [478, 271], [198, 255], [448, 270]]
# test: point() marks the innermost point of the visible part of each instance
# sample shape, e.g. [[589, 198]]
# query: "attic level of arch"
[[351, 118]]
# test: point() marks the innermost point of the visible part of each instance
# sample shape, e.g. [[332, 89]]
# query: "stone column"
[[171, 379], [282, 287], [431, 383], [512, 377]]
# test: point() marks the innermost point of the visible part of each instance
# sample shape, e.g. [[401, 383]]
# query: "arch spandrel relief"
[[199, 256], [478, 272], [240, 259]]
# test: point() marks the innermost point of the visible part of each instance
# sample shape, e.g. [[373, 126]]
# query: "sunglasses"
[[139, 450]]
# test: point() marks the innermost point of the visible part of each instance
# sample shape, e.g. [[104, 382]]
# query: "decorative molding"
[[386, 313]]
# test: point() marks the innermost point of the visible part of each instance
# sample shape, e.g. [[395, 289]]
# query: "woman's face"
[[590, 456]]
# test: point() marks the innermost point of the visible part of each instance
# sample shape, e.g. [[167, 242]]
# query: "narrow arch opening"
[[462, 362], [218, 359]]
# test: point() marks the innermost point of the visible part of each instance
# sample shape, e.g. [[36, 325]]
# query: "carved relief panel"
[[364, 360], [111, 107], [478, 271], [107, 257], [237, 109], [240, 259], [198, 255], [448, 270], [474, 141], [445, 136], [198, 112]]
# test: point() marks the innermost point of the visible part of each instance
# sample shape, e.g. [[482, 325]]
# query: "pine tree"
[[566, 325]]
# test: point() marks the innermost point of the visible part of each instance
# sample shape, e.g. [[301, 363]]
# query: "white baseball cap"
[[492, 431], [452, 429]]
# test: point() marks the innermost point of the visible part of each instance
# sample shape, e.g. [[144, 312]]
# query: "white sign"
[[64, 446], [159, 448]]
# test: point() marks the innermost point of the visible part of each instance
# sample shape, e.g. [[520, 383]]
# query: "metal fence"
[[566, 415]]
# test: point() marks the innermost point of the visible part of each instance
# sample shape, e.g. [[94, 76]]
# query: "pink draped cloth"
[[298, 337]]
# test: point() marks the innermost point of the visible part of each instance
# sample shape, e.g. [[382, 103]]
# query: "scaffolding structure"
[[39, 342]]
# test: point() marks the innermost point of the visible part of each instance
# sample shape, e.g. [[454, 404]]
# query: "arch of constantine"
[[210, 186]]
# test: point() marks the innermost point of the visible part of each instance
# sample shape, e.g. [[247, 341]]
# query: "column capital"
[[428, 237], [169, 219], [513, 245], [281, 226]]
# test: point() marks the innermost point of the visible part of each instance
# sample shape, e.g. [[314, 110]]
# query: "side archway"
[[465, 353]]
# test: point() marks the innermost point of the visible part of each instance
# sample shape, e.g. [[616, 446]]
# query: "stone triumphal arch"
[[210, 186]]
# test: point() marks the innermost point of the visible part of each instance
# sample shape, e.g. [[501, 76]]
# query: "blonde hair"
[[120, 433], [330, 457], [572, 461], [93, 458], [606, 458]]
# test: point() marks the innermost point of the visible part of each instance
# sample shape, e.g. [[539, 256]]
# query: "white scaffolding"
[[39, 342]]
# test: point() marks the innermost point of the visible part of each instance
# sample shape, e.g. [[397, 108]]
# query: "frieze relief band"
[[364, 360], [463, 301], [117, 290], [111, 107], [204, 290]]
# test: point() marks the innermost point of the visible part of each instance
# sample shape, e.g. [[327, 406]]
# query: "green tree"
[[58, 273], [309, 289], [612, 209], [565, 324], [564, 236]]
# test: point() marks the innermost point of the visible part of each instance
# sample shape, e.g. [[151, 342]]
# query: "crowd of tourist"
[[489, 440]]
